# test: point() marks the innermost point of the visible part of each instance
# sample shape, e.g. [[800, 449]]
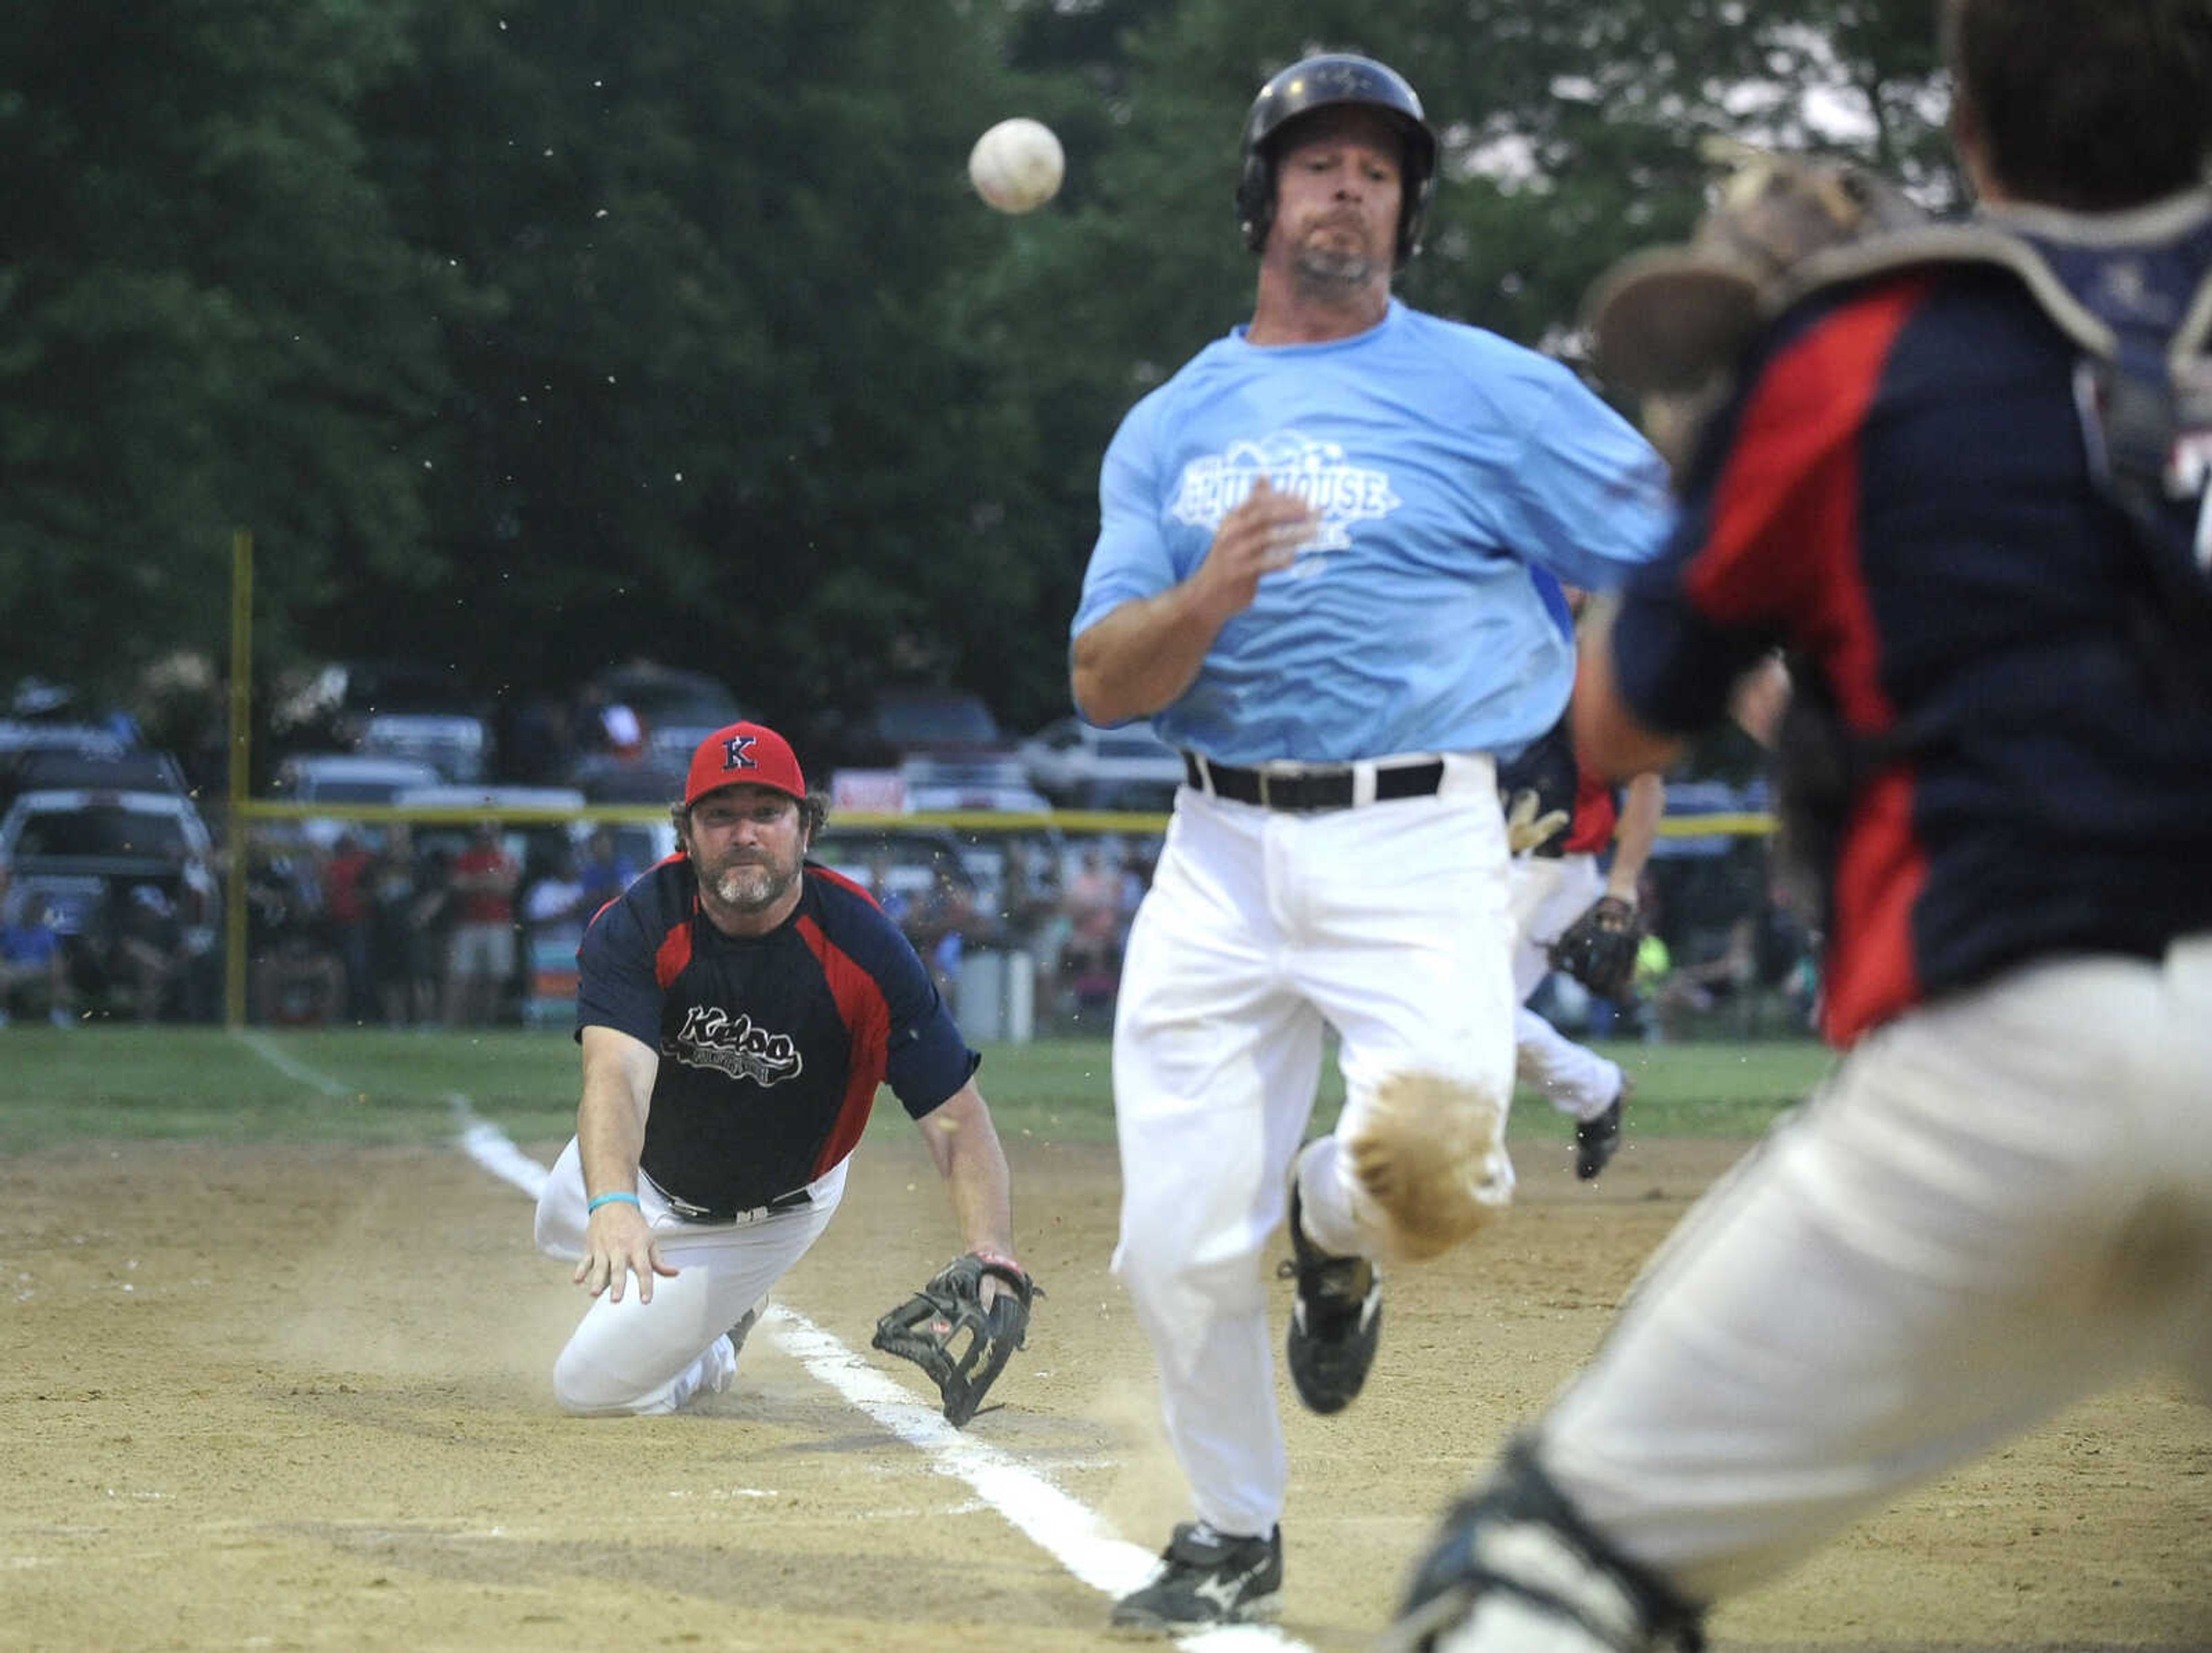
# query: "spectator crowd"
[[406, 927]]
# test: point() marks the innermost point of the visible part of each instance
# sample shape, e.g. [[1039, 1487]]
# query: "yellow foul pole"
[[240, 767]]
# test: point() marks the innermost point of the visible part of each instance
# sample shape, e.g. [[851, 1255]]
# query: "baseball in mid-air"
[[1017, 166]]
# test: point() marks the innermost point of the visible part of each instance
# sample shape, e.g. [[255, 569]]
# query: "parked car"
[[677, 709], [50, 768], [914, 722], [984, 782], [396, 709], [87, 855], [350, 777], [38, 735], [111, 833], [640, 776], [453, 743], [347, 778], [1079, 766]]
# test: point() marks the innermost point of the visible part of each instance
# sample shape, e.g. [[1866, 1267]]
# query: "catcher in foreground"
[[962, 1328], [1938, 493]]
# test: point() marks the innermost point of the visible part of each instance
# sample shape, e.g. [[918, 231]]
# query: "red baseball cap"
[[744, 754]]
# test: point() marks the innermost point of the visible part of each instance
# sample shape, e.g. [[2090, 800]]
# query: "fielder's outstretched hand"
[[618, 1242]]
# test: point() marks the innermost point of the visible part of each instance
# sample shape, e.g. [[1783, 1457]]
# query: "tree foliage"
[[530, 336], [210, 321]]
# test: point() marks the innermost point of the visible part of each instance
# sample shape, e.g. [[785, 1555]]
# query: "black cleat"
[[1595, 1139], [1207, 1578], [1336, 1322]]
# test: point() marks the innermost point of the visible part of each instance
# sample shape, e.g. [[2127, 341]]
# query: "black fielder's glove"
[[946, 1330], [1599, 949]]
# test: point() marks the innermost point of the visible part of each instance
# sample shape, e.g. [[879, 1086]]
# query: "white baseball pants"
[[1386, 921], [1999, 1204], [644, 1357], [1548, 894], [1574, 1079]]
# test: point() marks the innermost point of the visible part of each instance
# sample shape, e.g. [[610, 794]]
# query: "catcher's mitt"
[[1599, 949], [928, 1327], [1665, 318], [1670, 322]]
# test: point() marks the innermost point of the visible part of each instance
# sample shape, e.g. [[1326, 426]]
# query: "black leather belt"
[[1335, 788], [693, 1213]]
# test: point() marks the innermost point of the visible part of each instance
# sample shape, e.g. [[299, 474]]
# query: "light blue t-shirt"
[[1445, 463]]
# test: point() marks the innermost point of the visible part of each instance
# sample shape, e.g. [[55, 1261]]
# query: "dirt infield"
[[281, 1399]]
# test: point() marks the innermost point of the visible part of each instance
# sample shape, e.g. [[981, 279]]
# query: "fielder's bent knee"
[[576, 1395], [1428, 1151], [582, 1390]]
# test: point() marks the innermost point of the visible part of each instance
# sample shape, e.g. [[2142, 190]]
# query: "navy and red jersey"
[[1901, 493], [771, 1047]]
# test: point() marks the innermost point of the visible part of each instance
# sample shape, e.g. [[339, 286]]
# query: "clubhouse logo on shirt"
[[712, 1038], [1292, 463]]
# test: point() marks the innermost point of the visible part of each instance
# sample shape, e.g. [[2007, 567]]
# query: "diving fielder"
[[737, 1010]]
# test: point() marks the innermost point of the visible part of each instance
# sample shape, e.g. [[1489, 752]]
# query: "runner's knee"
[[1427, 1153]]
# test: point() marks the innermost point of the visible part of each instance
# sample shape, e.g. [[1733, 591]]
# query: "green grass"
[[177, 1084]]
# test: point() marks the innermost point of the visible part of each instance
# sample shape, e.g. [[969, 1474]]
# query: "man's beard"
[[1326, 268], [751, 886]]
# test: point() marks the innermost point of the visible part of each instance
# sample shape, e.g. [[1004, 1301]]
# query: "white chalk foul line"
[[1064, 1528], [490, 1147], [265, 1047], [1055, 1522]]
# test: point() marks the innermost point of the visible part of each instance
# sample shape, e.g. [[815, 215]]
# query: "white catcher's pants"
[[642, 1358], [1386, 921], [1997, 1205]]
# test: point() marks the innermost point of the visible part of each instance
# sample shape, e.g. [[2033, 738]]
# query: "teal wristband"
[[608, 1200]]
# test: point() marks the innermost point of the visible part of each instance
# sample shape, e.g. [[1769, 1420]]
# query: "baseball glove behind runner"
[[1599, 949], [946, 1330]]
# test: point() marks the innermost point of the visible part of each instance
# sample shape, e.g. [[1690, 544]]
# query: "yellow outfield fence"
[[246, 814]]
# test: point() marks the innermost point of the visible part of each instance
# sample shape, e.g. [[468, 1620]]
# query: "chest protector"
[[2132, 292]]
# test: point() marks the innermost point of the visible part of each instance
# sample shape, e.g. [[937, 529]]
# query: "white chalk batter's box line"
[[1065, 1530]]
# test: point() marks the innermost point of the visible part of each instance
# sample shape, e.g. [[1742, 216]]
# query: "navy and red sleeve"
[[876, 974]]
